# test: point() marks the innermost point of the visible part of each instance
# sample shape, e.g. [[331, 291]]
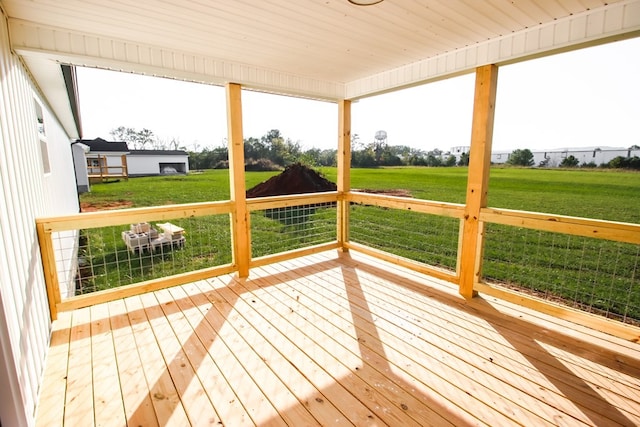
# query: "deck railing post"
[[471, 247], [344, 171], [240, 232], [45, 240]]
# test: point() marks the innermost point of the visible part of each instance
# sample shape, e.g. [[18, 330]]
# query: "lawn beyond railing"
[[543, 261]]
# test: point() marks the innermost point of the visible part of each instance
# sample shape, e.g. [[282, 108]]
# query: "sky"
[[584, 98]]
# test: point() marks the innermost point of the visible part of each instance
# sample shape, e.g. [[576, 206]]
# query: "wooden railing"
[[615, 231]]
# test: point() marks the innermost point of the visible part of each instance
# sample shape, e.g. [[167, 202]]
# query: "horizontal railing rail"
[[92, 220], [599, 229], [573, 226]]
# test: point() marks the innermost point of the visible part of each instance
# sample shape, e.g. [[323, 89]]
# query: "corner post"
[[240, 232], [45, 240], [344, 171], [472, 237]]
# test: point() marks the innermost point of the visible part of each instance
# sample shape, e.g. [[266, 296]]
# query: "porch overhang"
[[363, 52]]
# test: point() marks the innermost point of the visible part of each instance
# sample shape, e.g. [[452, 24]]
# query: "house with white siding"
[[108, 160], [336, 52], [157, 162], [36, 179]]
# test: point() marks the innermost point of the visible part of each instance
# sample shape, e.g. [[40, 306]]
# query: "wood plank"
[[294, 253], [599, 229], [330, 337], [470, 254], [135, 390], [133, 215], [240, 231], [140, 288], [271, 202], [108, 404], [305, 332], [445, 379], [213, 331], [79, 401], [45, 241], [196, 403], [405, 262], [520, 376], [510, 358], [275, 375], [50, 408], [451, 210], [583, 344], [587, 397], [211, 366], [164, 396], [597, 323]]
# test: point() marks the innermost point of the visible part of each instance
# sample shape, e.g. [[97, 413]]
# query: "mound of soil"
[[295, 179]]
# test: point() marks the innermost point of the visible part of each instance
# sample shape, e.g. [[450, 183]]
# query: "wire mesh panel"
[[593, 275], [430, 239], [114, 256], [293, 227]]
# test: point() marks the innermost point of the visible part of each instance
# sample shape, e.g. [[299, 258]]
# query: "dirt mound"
[[295, 179]]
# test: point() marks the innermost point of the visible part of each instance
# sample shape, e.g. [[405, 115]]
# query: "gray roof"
[[158, 153], [100, 144]]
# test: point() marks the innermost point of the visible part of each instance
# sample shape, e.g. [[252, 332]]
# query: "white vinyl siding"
[[26, 192]]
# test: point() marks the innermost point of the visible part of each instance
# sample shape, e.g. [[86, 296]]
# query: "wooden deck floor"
[[331, 339]]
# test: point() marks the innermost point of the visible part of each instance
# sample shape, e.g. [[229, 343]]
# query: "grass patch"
[[592, 274]]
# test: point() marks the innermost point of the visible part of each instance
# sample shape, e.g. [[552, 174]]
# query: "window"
[[42, 135]]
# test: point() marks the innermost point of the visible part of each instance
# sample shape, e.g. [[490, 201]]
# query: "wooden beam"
[[45, 240], [240, 216], [344, 170], [470, 255]]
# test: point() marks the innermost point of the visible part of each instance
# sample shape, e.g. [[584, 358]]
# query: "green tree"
[[464, 159], [520, 157], [569, 162], [139, 139]]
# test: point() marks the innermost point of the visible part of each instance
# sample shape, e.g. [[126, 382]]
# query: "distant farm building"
[[98, 160], [554, 157]]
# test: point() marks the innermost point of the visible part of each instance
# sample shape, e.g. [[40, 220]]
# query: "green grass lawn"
[[593, 274]]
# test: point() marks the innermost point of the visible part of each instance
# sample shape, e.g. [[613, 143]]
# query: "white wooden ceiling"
[[326, 49]]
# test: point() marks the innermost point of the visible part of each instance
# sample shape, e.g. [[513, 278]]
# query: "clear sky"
[[584, 98]]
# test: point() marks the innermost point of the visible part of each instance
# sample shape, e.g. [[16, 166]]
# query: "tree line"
[[273, 151]]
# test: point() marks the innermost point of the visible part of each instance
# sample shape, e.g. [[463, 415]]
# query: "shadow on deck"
[[332, 339]]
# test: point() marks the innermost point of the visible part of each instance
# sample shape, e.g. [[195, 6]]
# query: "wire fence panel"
[[294, 227], [597, 276], [114, 256], [426, 238]]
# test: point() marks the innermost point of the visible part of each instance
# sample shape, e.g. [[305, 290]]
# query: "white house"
[[331, 51], [157, 162], [112, 159], [36, 179]]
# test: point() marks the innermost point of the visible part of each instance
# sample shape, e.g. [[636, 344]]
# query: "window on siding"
[[42, 135]]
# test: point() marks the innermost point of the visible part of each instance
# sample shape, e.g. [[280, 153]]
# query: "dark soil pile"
[[295, 179]]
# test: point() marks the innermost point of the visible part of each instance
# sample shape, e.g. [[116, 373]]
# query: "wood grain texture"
[[333, 338]]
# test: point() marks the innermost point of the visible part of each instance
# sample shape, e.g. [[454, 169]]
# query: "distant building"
[[104, 160], [554, 157]]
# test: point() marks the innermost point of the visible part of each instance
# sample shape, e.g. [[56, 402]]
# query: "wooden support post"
[[240, 232], [471, 247], [125, 167], [45, 240], [344, 170]]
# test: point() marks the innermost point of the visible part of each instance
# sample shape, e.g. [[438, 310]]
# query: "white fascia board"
[[608, 23], [50, 81], [81, 49]]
